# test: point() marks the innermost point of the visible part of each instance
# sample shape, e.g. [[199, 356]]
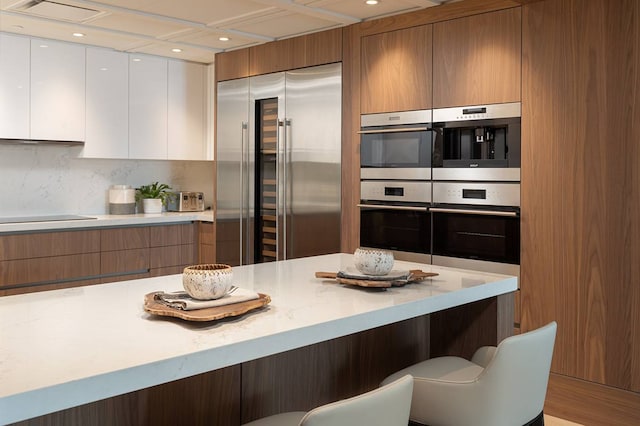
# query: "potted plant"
[[153, 196]]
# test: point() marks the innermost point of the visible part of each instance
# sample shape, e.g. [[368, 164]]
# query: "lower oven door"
[[480, 239], [406, 230]]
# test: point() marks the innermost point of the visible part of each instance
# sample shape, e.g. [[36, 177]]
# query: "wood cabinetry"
[[299, 52], [206, 242], [48, 260], [580, 198], [173, 248], [232, 65], [477, 59], [32, 262], [396, 70]]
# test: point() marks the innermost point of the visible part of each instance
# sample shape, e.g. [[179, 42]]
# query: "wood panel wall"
[[581, 194]]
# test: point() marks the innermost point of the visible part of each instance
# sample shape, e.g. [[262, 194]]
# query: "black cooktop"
[[27, 219]]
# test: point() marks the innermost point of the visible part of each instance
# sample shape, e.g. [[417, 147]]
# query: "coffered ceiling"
[[194, 26]]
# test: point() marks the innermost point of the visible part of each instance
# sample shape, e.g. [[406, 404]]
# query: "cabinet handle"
[[398, 130], [385, 207], [471, 211]]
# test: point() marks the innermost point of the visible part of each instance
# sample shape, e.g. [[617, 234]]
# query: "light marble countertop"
[[108, 220], [64, 348]]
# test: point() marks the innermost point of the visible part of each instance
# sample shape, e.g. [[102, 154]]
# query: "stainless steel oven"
[[394, 215], [476, 225], [477, 143], [396, 145]]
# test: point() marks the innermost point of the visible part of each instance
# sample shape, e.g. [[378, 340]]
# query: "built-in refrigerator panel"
[[278, 175], [232, 136], [313, 157]]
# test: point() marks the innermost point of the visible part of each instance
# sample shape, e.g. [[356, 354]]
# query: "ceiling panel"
[[64, 32], [139, 24], [203, 11], [187, 54], [359, 9], [210, 38], [156, 26], [284, 24]]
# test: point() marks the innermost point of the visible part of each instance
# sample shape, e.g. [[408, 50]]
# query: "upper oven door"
[[396, 149], [477, 143], [402, 228]]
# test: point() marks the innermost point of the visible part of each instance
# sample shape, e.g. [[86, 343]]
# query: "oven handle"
[[398, 130], [478, 212], [378, 206]]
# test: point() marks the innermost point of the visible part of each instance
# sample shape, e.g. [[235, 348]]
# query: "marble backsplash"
[[48, 180]]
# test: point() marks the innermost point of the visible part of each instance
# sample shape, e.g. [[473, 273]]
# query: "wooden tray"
[[155, 307], [416, 276]]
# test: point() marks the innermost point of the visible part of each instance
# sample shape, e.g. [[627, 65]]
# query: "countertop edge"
[[100, 221]]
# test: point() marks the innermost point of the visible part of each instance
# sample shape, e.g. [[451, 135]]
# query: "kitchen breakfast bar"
[[92, 355]]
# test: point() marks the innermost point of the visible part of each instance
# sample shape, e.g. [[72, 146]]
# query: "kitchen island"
[[65, 348]]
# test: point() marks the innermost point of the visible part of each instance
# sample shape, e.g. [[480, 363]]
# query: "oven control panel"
[[402, 191], [485, 194]]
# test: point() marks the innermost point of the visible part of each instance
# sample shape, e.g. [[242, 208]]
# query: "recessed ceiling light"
[[136, 59], [371, 2], [224, 38], [44, 46], [103, 69], [78, 35], [176, 50]]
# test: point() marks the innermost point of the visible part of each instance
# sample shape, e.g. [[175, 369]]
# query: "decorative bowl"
[[207, 281], [373, 261]]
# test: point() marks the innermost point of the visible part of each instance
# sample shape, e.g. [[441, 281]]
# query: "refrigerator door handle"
[[243, 166], [279, 187], [286, 189]]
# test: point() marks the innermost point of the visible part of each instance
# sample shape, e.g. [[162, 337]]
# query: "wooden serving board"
[[155, 307], [415, 276]]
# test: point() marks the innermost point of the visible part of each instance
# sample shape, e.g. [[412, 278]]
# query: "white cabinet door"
[[147, 107], [57, 91], [14, 86], [107, 104], [186, 125]]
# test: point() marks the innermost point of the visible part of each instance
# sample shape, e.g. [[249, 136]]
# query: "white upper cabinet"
[[107, 104], [14, 86], [186, 113], [57, 91], [147, 107]]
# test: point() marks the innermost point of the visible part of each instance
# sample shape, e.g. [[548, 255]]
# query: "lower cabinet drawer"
[[181, 255], [48, 270], [124, 264]]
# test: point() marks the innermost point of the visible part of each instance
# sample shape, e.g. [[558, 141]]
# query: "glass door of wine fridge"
[[266, 223]]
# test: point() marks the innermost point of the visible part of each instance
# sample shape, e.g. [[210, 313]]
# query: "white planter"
[[152, 205]]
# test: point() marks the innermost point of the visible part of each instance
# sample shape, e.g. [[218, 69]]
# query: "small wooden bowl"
[[207, 281]]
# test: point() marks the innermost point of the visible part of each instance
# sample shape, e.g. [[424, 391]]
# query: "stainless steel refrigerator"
[[278, 152]]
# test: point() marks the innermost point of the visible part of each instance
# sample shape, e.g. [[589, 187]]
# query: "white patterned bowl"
[[207, 281], [372, 261]]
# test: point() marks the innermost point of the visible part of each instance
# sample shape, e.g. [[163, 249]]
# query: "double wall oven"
[[458, 205], [395, 183]]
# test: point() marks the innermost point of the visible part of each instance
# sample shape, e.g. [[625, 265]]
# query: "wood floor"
[[554, 421]]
